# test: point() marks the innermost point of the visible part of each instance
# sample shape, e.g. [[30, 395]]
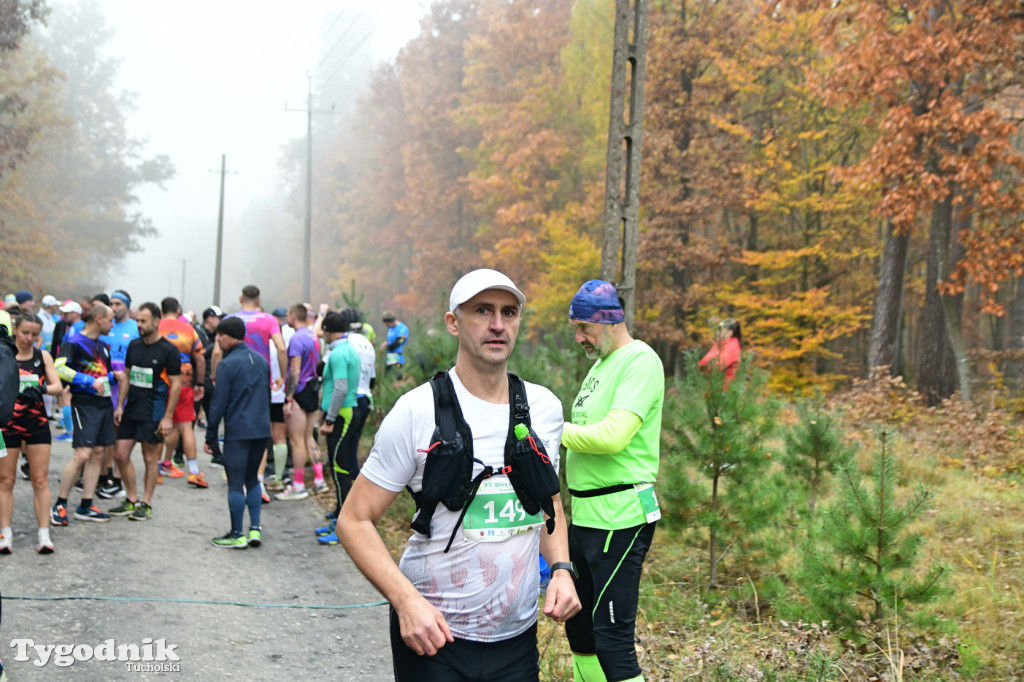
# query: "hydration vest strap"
[[474, 486], [597, 492]]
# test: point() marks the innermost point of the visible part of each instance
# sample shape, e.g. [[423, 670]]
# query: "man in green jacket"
[[612, 446], [341, 384]]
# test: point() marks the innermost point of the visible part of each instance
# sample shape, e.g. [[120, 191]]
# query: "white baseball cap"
[[49, 300], [71, 307], [472, 283]]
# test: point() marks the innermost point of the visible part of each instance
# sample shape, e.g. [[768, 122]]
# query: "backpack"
[[448, 472], [8, 375]]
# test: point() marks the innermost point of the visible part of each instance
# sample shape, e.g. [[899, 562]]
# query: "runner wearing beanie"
[[242, 400], [612, 451]]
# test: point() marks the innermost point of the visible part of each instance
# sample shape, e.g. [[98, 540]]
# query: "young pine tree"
[[719, 432], [864, 562], [814, 445]]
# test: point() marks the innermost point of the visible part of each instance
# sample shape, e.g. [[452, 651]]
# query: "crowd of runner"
[[104, 373]]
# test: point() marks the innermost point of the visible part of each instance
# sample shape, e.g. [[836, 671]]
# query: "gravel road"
[[132, 565]]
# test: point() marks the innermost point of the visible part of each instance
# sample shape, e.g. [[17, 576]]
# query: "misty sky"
[[213, 77]]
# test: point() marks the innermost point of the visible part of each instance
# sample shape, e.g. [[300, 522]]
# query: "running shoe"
[[273, 484], [46, 547], [229, 541], [78, 484], [5, 544], [142, 512], [325, 530], [331, 516], [168, 468], [124, 509], [331, 539], [178, 459], [264, 496], [320, 487], [110, 490], [198, 480], [291, 493], [93, 513], [159, 479], [201, 424], [59, 515], [64, 437], [217, 461], [24, 468], [255, 537], [3, 675]]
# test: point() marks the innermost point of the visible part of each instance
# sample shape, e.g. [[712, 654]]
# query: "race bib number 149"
[[496, 514]]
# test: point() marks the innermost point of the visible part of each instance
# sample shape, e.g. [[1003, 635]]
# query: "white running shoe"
[[291, 493], [5, 544]]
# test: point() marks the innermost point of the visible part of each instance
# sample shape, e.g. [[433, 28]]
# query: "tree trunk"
[[953, 304], [713, 544], [885, 329], [937, 373], [1016, 340]]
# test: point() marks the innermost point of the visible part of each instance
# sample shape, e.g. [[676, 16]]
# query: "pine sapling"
[[865, 559], [720, 430], [814, 446]]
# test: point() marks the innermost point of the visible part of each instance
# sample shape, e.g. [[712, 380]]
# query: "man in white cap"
[[71, 312], [48, 314], [467, 610]]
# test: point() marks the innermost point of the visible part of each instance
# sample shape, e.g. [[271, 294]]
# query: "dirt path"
[[170, 557]]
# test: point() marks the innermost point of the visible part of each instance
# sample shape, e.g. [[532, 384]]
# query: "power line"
[[351, 54], [340, 39]]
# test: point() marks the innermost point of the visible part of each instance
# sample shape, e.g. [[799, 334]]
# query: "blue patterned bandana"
[[597, 301]]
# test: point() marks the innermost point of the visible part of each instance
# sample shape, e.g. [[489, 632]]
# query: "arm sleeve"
[[71, 376], [607, 437], [339, 391], [219, 401], [711, 355]]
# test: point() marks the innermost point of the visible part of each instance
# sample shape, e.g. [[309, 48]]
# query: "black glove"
[[32, 395]]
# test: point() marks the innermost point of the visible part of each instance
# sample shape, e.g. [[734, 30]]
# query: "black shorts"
[[609, 564], [139, 431], [29, 434], [510, 660], [277, 413], [94, 426], [308, 398]]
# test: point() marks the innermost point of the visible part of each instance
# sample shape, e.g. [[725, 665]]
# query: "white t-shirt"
[[487, 591], [278, 396], [367, 360]]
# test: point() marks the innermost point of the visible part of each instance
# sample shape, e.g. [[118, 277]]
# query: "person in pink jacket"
[[725, 354]]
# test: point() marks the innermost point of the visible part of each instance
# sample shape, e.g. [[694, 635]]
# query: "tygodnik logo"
[[149, 656]]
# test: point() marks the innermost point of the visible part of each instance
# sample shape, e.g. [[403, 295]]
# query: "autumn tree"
[[79, 188], [17, 17], [932, 71]]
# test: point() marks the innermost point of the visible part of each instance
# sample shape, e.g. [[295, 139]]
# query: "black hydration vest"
[[448, 472]]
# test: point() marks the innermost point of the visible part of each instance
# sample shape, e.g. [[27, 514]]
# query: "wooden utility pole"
[[307, 241], [220, 230], [625, 130]]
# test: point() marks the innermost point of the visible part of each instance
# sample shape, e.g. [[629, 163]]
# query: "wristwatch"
[[568, 566]]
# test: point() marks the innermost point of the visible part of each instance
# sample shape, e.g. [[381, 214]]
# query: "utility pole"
[[220, 230], [307, 242], [625, 130]]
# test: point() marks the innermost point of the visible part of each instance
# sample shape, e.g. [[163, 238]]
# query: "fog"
[[213, 78]]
